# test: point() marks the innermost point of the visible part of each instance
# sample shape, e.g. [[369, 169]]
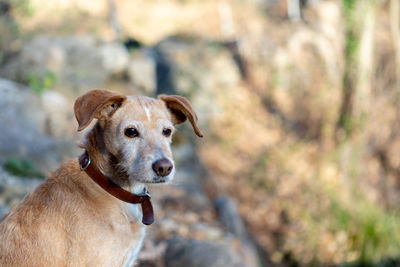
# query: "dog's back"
[[27, 231]]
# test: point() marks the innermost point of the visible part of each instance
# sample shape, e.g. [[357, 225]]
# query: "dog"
[[87, 212]]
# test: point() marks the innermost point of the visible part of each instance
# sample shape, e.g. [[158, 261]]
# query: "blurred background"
[[298, 100]]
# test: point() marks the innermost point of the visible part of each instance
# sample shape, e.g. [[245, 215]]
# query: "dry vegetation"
[[316, 182]]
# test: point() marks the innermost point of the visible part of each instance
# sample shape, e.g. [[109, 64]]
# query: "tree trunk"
[[358, 72], [362, 99], [395, 28], [293, 10], [113, 20]]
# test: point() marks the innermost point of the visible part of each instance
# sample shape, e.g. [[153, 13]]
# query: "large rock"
[[142, 71], [229, 216], [3, 211], [22, 120], [72, 64], [114, 57], [13, 189], [60, 119], [194, 253], [23, 134]]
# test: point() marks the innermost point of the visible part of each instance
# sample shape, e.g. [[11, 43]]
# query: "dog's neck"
[[107, 162], [108, 165], [137, 188]]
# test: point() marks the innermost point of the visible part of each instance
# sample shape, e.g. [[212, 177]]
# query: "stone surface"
[[24, 133], [229, 216], [231, 220], [142, 71], [60, 119], [115, 57], [75, 64], [13, 189], [199, 71], [194, 253], [3, 211]]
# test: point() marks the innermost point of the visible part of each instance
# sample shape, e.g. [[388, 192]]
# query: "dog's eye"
[[131, 132], [166, 132]]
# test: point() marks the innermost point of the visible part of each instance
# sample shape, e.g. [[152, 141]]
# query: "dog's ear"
[[99, 104], [180, 110]]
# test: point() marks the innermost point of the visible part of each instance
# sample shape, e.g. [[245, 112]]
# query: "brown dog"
[[80, 216]]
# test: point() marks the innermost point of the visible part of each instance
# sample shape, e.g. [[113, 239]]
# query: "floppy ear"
[[180, 110], [99, 104]]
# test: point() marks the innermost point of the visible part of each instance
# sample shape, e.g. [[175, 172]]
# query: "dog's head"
[[136, 130]]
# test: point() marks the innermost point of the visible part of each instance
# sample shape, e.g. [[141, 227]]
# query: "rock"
[[37, 57], [24, 135], [229, 216], [13, 189], [24, 119], [115, 57], [200, 72], [142, 71], [3, 211], [194, 253], [231, 220], [70, 64], [60, 119], [17, 100], [196, 200]]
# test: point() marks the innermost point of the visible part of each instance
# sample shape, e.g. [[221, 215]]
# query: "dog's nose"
[[162, 167]]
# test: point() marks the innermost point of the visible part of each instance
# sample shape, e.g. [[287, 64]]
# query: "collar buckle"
[[84, 161], [145, 193]]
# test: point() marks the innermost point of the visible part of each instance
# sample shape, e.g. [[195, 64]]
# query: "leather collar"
[[112, 188]]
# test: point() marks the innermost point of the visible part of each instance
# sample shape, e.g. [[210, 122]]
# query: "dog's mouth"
[[155, 180], [158, 180], [150, 178]]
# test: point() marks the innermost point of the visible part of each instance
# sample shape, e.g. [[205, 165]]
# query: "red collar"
[[112, 188]]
